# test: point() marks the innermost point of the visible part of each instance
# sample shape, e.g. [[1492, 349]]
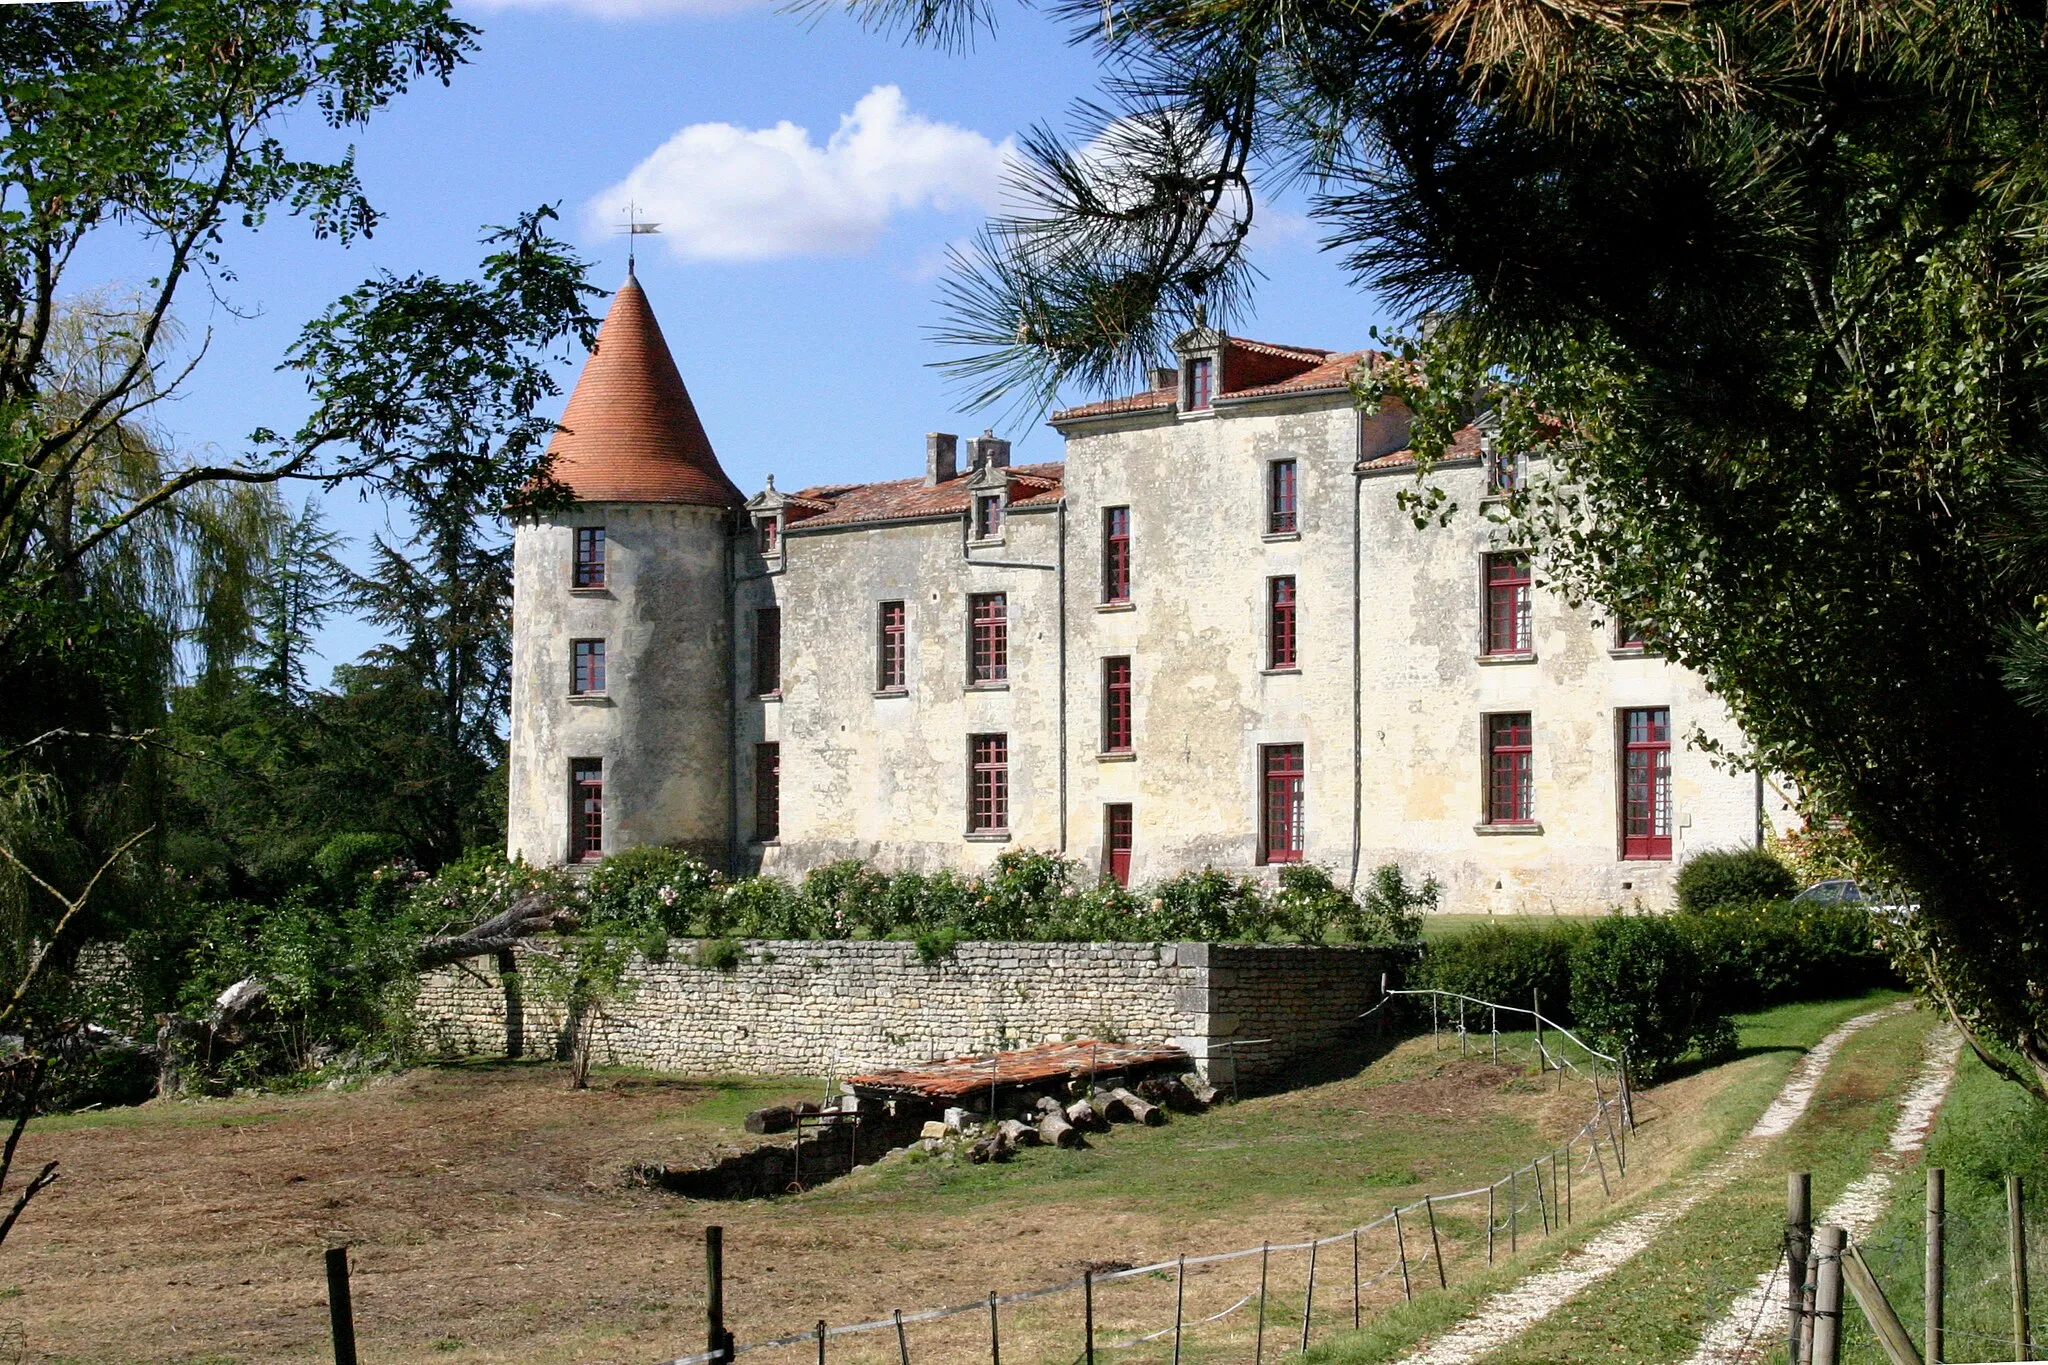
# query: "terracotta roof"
[[1464, 446], [1332, 373], [630, 432], [1251, 370], [1153, 400], [904, 499], [959, 1077]]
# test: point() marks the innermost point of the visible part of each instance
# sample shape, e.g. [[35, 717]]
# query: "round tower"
[[621, 630]]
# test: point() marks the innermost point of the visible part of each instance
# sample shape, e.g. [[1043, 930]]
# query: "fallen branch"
[[531, 914]]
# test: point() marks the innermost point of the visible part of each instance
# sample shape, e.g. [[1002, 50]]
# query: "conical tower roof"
[[630, 432]]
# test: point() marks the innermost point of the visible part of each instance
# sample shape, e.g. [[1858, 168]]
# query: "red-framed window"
[[589, 571], [768, 534], [1282, 503], [892, 648], [988, 784], [1116, 705], [1280, 623], [1116, 554], [767, 791], [768, 651], [1508, 589], [988, 655], [586, 809], [1283, 831], [1510, 773], [1201, 383], [988, 516], [1646, 782], [587, 669], [1631, 635], [1116, 835], [1503, 473]]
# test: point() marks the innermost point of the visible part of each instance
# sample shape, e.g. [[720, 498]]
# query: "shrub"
[[1207, 905], [1507, 964], [651, 889], [848, 895], [1022, 896], [1310, 904], [764, 907], [1388, 913], [1638, 985], [720, 954], [1735, 876], [1767, 954]]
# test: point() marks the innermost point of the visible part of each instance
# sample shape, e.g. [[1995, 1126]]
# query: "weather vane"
[[635, 228]]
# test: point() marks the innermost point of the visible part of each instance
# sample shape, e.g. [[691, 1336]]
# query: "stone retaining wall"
[[832, 1008]]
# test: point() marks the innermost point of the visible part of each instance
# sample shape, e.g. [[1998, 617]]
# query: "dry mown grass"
[[490, 1222]]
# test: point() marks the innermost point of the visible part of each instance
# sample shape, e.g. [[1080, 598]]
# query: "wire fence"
[[1276, 1299]]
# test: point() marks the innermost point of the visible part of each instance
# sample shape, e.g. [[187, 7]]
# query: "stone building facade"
[[1209, 636]]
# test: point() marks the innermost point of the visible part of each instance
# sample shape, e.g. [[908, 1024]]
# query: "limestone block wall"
[[832, 1008]]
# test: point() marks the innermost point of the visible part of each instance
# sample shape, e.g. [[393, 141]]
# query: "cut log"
[[994, 1147], [1048, 1105], [1018, 1134], [776, 1118], [1143, 1111], [1055, 1131], [1205, 1094], [1170, 1092], [1082, 1115], [531, 914], [1110, 1104]]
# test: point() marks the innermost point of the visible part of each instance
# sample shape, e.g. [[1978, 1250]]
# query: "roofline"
[[808, 527]]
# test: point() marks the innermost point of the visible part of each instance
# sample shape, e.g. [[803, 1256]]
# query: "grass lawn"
[[490, 1224], [1438, 927]]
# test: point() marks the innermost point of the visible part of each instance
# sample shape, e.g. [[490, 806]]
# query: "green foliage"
[[720, 954], [1735, 876], [1770, 953], [652, 888], [935, 945], [1209, 904], [1507, 965], [1390, 910], [1638, 985]]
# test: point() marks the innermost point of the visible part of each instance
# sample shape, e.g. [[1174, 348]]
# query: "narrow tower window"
[[587, 675], [890, 651], [1281, 515], [1280, 623], [1646, 783], [586, 810], [768, 651], [1116, 705], [988, 516], [1510, 773], [768, 533], [1507, 605], [989, 655], [589, 557], [988, 795], [767, 792], [1283, 835], [1116, 554], [1116, 832]]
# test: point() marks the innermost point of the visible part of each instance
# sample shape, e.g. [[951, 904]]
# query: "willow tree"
[[1767, 284]]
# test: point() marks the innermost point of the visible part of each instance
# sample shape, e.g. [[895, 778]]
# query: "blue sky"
[[797, 273]]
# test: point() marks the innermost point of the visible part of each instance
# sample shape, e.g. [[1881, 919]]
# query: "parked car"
[[1834, 891]]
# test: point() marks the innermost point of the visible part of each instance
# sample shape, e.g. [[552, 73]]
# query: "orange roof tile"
[[1251, 370], [1464, 446], [909, 499], [630, 432]]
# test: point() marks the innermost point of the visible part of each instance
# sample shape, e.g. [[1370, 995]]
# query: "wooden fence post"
[[341, 1312], [1934, 1290], [1088, 1314], [995, 1335], [1798, 1242], [1354, 1279], [1436, 1248], [2016, 1254], [1827, 1296], [716, 1338], [1401, 1248], [1892, 1337]]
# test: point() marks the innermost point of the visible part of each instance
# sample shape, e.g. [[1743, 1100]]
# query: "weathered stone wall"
[[830, 1008]]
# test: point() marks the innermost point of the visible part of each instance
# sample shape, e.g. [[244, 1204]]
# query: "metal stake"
[[341, 1313], [716, 1338], [1401, 1246], [1088, 1315], [1514, 1207], [1354, 1279], [1308, 1300], [995, 1336], [821, 1341], [902, 1344], [1934, 1292], [1180, 1298], [1489, 1223], [1259, 1340], [1436, 1248]]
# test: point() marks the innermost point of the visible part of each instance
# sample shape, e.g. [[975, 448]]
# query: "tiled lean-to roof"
[[1031, 485], [630, 432], [1252, 370]]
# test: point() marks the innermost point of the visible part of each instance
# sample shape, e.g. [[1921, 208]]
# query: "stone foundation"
[[806, 1008]]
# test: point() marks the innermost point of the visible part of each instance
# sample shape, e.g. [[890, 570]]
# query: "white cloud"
[[626, 9], [737, 194]]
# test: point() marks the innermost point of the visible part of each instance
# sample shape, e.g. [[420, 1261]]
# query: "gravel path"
[[1752, 1326], [1505, 1316]]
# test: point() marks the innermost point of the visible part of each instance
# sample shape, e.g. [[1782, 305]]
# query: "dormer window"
[[1201, 382], [1504, 473], [988, 516], [768, 534]]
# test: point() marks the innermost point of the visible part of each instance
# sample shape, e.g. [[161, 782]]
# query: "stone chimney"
[[1165, 377], [988, 448], [941, 457]]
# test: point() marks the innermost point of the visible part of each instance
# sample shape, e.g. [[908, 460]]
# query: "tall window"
[[988, 788], [988, 516], [1503, 473], [1281, 515], [988, 656], [768, 651], [589, 557], [587, 675], [1282, 837], [1116, 705], [1116, 554], [1507, 605], [586, 810], [768, 533], [1116, 833], [767, 791], [1646, 783], [891, 652], [1201, 379], [1510, 778], [1280, 622]]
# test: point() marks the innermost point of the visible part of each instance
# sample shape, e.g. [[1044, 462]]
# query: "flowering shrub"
[[652, 889]]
